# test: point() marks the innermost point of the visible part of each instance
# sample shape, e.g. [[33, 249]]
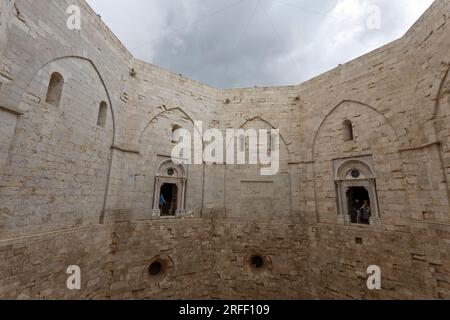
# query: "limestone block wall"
[[390, 101], [75, 192], [414, 262], [182, 246], [56, 172], [8, 125], [284, 248], [35, 267], [402, 92], [54, 158], [373, 136], [5, 19], [248, 195], [8, 117], [161, 101]]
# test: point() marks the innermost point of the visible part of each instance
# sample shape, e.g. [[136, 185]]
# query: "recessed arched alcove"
[[55, 89], [249, 194], [156, 143], [356, 190], [354, 130], [50, 128], [347, 131]]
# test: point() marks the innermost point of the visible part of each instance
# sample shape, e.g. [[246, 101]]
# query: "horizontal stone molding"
[[53, 233], [422, 146], [126, 149], [12, 110]]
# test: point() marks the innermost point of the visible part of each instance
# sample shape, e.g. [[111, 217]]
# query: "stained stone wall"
[[35, 267], [5, 21], [182, 246], [56, 173], [74, 193]]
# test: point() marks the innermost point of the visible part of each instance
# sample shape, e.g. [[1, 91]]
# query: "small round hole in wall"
[[155, 269], [170, 172], [257, 262]]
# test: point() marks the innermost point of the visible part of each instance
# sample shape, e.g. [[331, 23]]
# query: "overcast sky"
[[243, 43]]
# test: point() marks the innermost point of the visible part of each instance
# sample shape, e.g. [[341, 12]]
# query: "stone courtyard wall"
[[75, 193]]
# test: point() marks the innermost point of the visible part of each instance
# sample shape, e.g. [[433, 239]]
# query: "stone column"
[[343, 212], [156, 211], [182, 210]]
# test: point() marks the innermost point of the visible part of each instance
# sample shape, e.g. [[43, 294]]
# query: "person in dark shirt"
[[354, 212], [365, 212]]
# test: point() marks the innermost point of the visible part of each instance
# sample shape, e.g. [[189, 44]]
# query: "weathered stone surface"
[[73, 192]]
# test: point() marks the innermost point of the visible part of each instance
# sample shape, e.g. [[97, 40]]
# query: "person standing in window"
[[365, 212], [162, 202], [354, 211]]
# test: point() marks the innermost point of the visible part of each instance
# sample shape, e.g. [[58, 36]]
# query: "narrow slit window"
[[102, 114], [176, 134], [348, 131], [55, 88]]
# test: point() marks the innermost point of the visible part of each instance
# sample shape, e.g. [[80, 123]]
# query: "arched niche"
[[373, 135], [72, 130], [251, 195], [347, 128], [365, 124], [170, 185], [55, 89]]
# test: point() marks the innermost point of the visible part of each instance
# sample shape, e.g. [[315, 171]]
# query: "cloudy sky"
[[242, 43]]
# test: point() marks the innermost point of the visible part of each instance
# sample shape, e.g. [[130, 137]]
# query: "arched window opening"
[[348, 131], [176, 134], [55, 88], [102, 114], [356, 189]]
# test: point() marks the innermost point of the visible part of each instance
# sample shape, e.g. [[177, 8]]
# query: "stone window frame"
[[178, 178], [344, 180]]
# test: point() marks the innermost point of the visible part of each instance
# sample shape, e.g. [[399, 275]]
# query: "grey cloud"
[[232, 43]]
